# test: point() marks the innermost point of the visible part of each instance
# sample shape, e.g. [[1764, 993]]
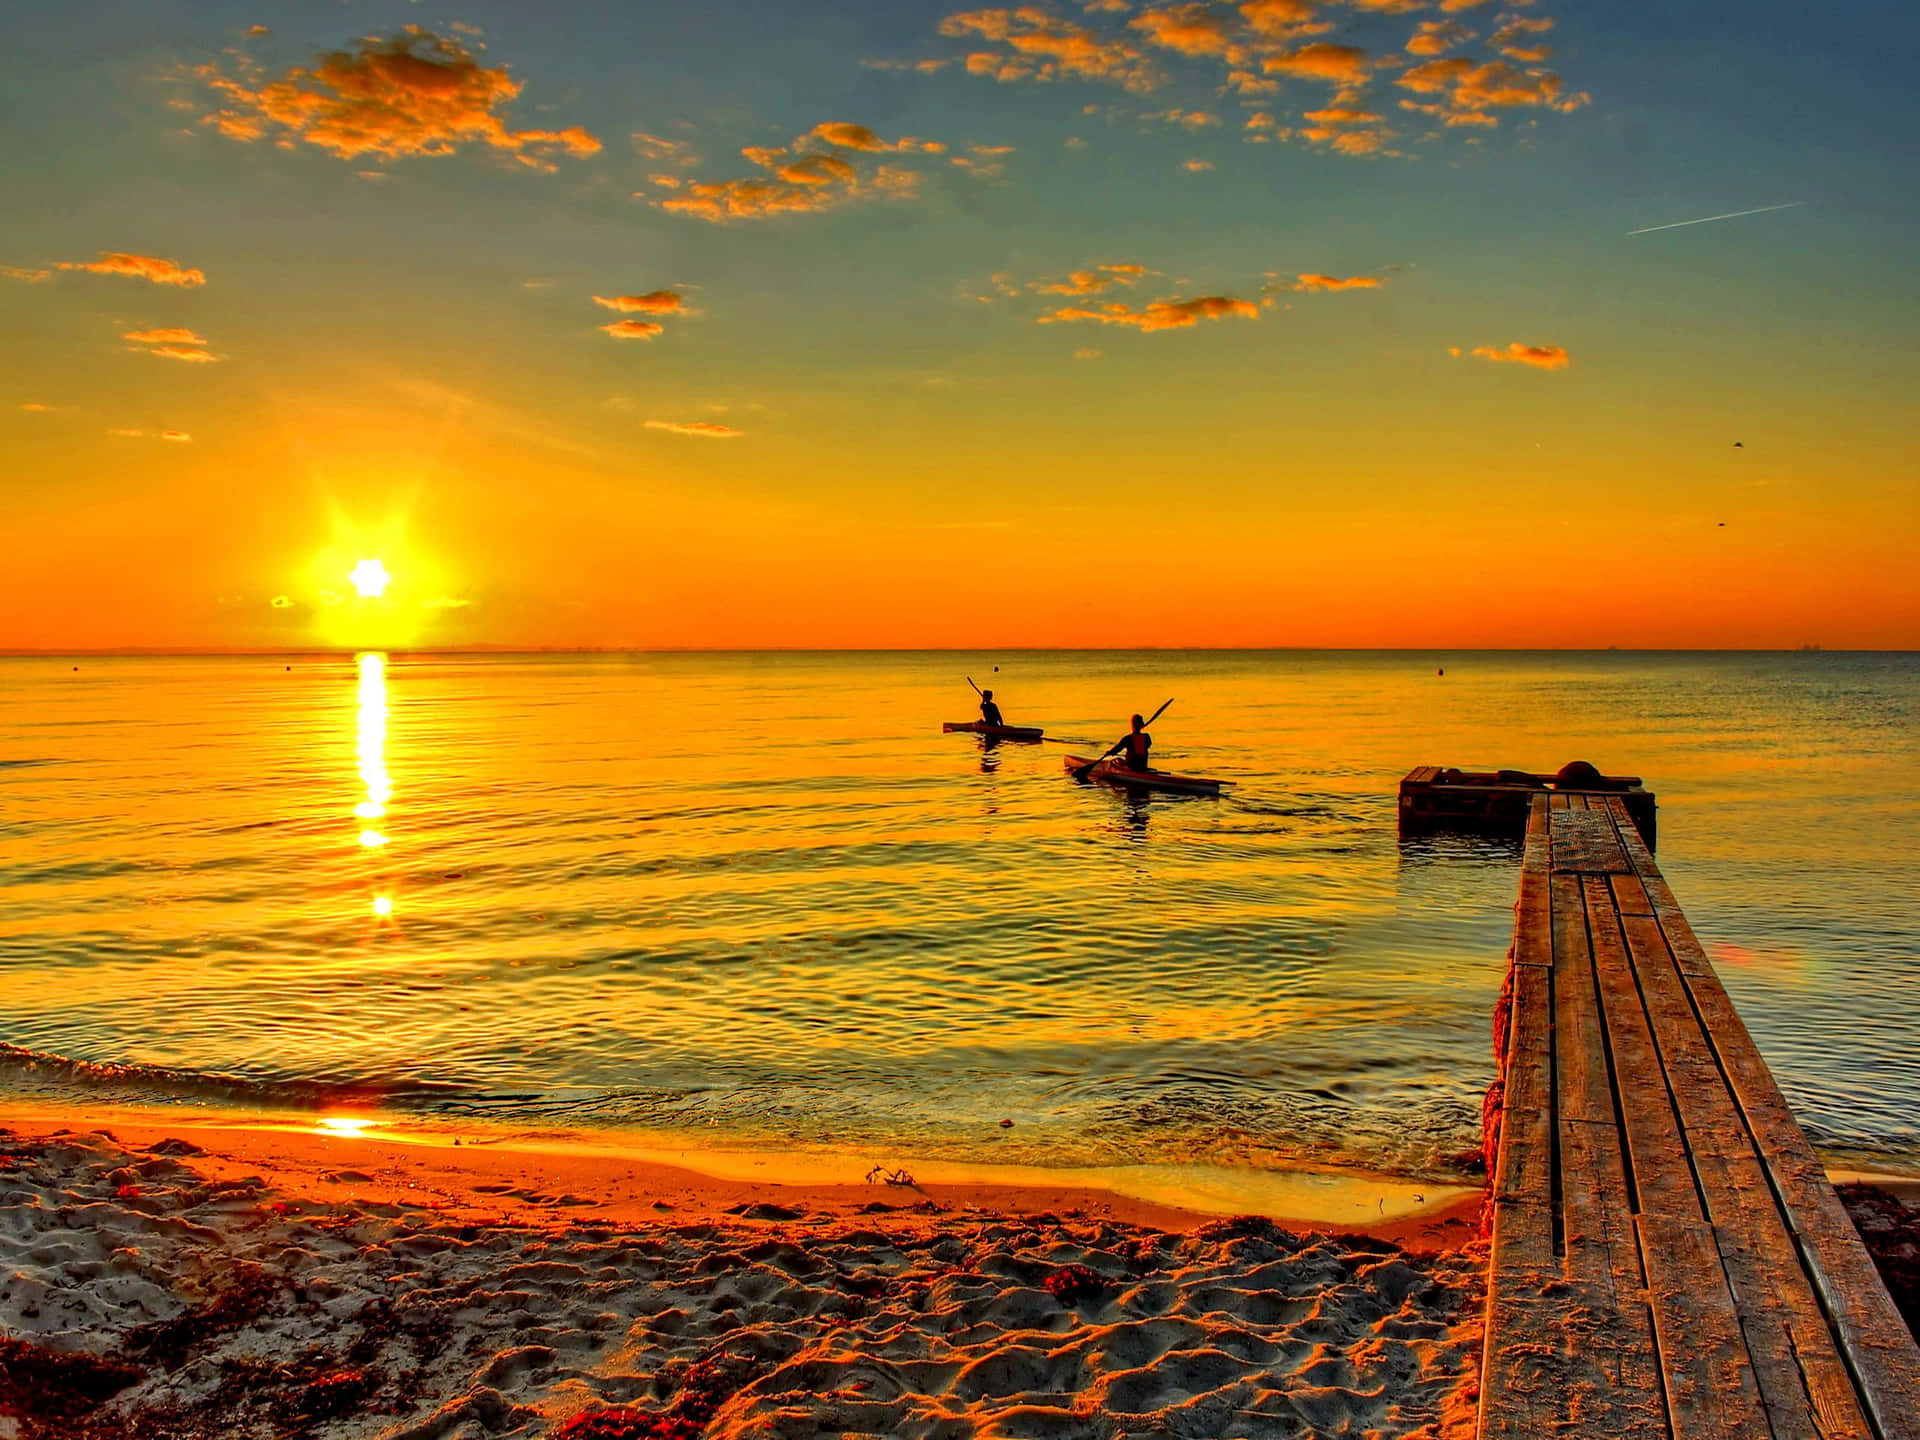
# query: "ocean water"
[[761, 900]]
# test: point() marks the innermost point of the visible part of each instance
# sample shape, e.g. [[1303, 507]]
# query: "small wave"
[[17, 1061]]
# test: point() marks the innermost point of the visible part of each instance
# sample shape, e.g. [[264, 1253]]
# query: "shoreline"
[[530, 1174]]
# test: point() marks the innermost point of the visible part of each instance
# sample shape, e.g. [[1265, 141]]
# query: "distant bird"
[[1739, 445], [1723, 524]]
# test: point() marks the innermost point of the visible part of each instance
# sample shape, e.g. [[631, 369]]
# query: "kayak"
[[1114, 773], [993, 732]]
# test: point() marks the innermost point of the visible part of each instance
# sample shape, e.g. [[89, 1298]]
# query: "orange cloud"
[[1281, 19], [799, 183], [1540, 357], [1313, 283], [1160, 314], [1436, 37], [1196, 166], [654, 302], [1189, 29], [416, 93], [190, 354], [632, 329], [849, 136], [175, 335], [1341, 64], [1475, 86], [30, 277], [179, 437], [143, 267], [1518, 38], [1091, 282], [1046, 48], [702, 429]]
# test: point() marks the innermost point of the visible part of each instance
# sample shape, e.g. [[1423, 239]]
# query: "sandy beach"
[[183, 1281]]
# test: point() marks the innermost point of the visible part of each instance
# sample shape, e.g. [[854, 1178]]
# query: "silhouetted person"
[[1135, 747], [989, 711]]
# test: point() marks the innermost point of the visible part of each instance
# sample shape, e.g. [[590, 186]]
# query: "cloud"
[[632, 329], [1436, 37], [1158, 315], [702, 429], [191, 354], [1282, 19], [142, 267], [1313, 283], [1540, 357], [414, 93], [654, 302], [849, 136], [1189, 29], [1090, 282], [1196, 166], [179, 437], [1340, 64], [175, 335], [1472, 88], [1086, 352], [1041, 47], [801, 181], [29, 277], [445, 602], [34, 407], [1518, 38], [655, 147]]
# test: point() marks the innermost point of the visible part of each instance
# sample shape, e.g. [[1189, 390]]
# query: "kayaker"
[[989, 711], [1135, 747]]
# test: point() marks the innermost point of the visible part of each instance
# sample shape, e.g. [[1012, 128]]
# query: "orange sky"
[[597, 346]]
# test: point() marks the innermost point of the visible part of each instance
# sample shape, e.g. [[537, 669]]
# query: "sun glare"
[[370, 578]]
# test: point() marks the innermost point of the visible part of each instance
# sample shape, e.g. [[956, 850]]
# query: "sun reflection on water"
[[372, 755]]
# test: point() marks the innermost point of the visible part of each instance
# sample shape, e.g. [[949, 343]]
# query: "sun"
[[370, 578]]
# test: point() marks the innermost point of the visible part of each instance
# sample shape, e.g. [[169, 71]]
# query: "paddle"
[[1081, 773], [976, 689]]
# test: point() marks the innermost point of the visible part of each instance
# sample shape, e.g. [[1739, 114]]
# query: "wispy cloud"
[[413, 94], [190, 354], [1091, 281], [699, 429], [1157, 315], [140, 267], [173, 335], [1257, 45], [633, 329], [1540, 357], [1312, 283], [799, 180], [25, 276], [654, 302]]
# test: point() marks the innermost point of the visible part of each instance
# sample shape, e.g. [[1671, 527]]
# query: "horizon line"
[[328, 651]]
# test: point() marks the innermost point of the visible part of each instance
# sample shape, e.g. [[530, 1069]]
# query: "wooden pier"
[[1669, 1258]]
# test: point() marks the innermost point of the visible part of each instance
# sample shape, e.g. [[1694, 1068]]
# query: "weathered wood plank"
[[1584, 1085], [1552, 1366], [1881, 1350], [1586, 842], [1531, 928], [1560, 801], [1661, 1176], [1630, 896], [1525, 1170], [1802, 1379], [1711, 1394]]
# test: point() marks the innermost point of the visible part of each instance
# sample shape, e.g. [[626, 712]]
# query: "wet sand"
[[170, 1279]]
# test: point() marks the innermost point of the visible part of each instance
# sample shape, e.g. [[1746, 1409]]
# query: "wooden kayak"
[[1114, 773], [1027, 733]]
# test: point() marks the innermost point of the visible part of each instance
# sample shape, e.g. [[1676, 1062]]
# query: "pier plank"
[[1669, 1259], [1797, 1363], [1585, 841]]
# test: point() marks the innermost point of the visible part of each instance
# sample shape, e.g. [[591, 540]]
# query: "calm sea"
[[763, 900]]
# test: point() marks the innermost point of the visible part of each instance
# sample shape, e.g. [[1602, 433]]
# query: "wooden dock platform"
[[1497, 802], [1669, 1258]]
